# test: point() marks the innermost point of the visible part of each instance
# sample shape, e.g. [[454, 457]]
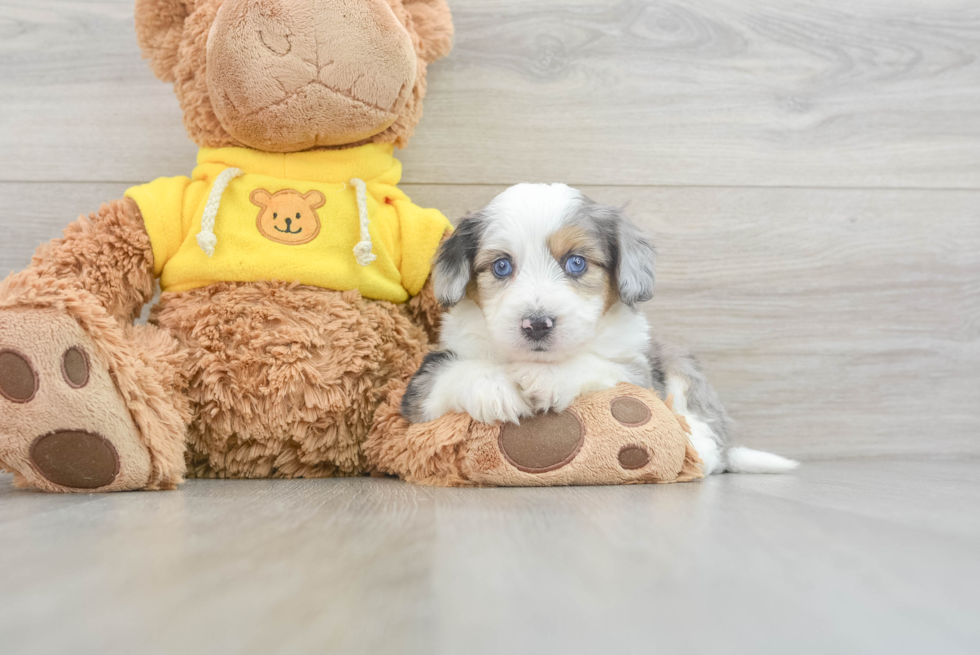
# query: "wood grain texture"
[[833, 322], [689, 92], [838, 557]]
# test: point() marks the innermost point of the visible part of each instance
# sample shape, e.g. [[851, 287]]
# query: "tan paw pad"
[[63, 424], [624, 435]]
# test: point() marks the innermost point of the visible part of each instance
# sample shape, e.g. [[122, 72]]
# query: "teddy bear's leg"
[[284, 379], [88, 402]]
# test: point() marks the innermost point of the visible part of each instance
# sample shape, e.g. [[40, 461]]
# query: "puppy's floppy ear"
[[631, 256], [454, 261], [636, 269], [159, 29]]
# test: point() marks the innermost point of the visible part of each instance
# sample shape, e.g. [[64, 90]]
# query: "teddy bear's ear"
[[260, 198], [159, 27], [315, 199], [434, 24]]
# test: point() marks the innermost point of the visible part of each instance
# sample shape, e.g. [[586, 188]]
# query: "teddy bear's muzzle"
[[288, 75]]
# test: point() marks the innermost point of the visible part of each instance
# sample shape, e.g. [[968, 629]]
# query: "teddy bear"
[[293, 270]]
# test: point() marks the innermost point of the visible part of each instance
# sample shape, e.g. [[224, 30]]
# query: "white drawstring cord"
[[362, 251], [206, 238]]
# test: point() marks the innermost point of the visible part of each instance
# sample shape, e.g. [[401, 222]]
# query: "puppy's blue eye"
[[502, 267], [575, 265]]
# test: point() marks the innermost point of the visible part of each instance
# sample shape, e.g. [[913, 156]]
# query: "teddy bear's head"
[[291, 75]]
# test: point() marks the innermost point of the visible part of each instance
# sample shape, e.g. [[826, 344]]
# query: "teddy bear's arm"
[[426, 311], [108, 253]]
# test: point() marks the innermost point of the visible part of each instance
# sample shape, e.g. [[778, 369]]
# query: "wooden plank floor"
[[840, 557]]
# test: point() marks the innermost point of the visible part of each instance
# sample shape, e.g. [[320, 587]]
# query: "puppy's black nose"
[[537, 327]]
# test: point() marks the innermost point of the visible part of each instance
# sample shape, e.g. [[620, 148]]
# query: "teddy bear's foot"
[[64, 425]]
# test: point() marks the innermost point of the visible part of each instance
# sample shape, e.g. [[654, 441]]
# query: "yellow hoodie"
[[329, 218]]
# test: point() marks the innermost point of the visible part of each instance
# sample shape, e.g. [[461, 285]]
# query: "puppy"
[[542, 289]]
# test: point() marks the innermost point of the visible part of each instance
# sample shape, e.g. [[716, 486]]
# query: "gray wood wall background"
[[810, 171]]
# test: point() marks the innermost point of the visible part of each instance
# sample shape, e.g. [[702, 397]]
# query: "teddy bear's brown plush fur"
[[233, 379]]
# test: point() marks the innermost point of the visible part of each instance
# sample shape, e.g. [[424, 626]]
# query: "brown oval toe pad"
[[76, 459], [542, 443], [633, 457], [75, 367], [18, 380], [629, 411]]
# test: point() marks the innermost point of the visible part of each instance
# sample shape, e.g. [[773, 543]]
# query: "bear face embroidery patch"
[[288, 217]]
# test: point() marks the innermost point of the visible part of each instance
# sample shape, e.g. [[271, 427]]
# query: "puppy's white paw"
[[495, 398], [543, 388], [600, 383]]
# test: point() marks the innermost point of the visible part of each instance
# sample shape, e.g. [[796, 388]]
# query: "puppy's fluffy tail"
[[746, 460]]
